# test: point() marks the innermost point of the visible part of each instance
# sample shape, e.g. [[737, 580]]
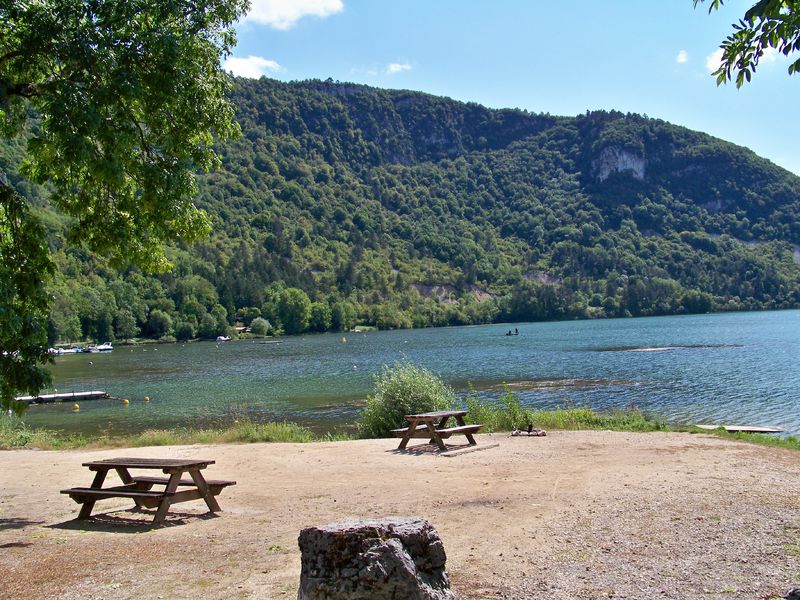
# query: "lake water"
[[731, 368]]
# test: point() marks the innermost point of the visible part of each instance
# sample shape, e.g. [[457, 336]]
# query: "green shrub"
[[403, 389], [259, 326], [184, 331]]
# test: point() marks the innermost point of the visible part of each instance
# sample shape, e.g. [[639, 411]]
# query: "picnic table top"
[[438, 414], [178, 464]]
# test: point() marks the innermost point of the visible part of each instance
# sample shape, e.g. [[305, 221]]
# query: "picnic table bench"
[[432, 426], [140, 488]]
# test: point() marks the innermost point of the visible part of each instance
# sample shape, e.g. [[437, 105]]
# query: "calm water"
[[732, 368]]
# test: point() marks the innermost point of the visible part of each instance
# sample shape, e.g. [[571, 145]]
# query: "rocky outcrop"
[[397, 557], [615, 159]]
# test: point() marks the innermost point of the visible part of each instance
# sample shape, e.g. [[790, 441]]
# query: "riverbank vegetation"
[[15, 435], [509, 414]]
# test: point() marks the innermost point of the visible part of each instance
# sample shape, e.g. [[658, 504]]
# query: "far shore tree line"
[[190, 308]]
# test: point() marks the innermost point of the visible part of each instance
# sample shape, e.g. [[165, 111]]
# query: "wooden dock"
[[63, 397], [742, 428]]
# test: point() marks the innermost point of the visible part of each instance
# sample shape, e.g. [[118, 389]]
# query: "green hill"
[[344, 204]]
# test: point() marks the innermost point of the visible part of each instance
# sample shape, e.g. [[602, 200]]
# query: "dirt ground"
[[571, 515]]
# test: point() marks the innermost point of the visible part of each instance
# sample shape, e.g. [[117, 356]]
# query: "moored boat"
[[70, 350], [107, 347]]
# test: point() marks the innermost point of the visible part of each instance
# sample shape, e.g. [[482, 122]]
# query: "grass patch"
[[508, 414], [789, 442], [244, 432], [15, 434], [586, 418]]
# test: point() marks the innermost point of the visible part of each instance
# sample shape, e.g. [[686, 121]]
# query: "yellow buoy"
[[344, 340], [126, 401], [147, 398], [76, 407]]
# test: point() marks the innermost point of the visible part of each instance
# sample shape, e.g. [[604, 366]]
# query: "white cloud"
[[714, 60], [770, 55], [284, 14], [397, 68], [683, 57], [251, 66]]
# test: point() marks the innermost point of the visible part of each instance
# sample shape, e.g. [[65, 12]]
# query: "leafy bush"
[[402, 389], [184, 331], [259, 326]]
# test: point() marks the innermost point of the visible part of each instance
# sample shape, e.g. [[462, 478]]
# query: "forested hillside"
[[343, 204]]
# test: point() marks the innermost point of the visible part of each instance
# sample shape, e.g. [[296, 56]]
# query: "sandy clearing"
[[574, 514]]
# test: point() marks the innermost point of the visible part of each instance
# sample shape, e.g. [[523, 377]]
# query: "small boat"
[[71, 350], [107, 347], [223, 338]]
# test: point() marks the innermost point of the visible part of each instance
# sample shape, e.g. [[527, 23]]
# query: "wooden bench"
[[139, 490], [422, 431], [404, 430], [433, 426], [146, 498], [213, 484]]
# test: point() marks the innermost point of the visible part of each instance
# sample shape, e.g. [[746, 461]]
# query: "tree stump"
[[396, 557]]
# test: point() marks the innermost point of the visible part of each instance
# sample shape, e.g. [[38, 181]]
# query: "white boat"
[[223, 338], [72, 350], [107, 347]]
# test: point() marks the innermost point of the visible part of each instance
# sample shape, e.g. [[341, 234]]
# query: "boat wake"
[[665, 348]]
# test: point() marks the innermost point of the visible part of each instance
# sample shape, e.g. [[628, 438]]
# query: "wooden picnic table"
[[140, 488], [433, 425]]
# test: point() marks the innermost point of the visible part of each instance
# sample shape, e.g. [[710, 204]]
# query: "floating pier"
[[742, 428], [63, 397]]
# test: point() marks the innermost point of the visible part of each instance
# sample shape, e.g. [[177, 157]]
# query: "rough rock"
[[387, 559], [616, 159]]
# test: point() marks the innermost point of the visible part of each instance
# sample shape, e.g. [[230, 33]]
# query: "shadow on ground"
[[429, 449], [17, 523], [130, 521]]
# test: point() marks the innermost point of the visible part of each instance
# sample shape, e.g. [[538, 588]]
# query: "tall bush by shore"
[[402, 389]]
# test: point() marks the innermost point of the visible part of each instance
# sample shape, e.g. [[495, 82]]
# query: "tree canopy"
[[769, 25], [119, 102], [344, 205]]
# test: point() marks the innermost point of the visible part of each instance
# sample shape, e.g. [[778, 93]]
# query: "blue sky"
[[563, 58]]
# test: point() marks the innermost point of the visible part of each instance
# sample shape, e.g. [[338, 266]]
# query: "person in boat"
[[516, 331]]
